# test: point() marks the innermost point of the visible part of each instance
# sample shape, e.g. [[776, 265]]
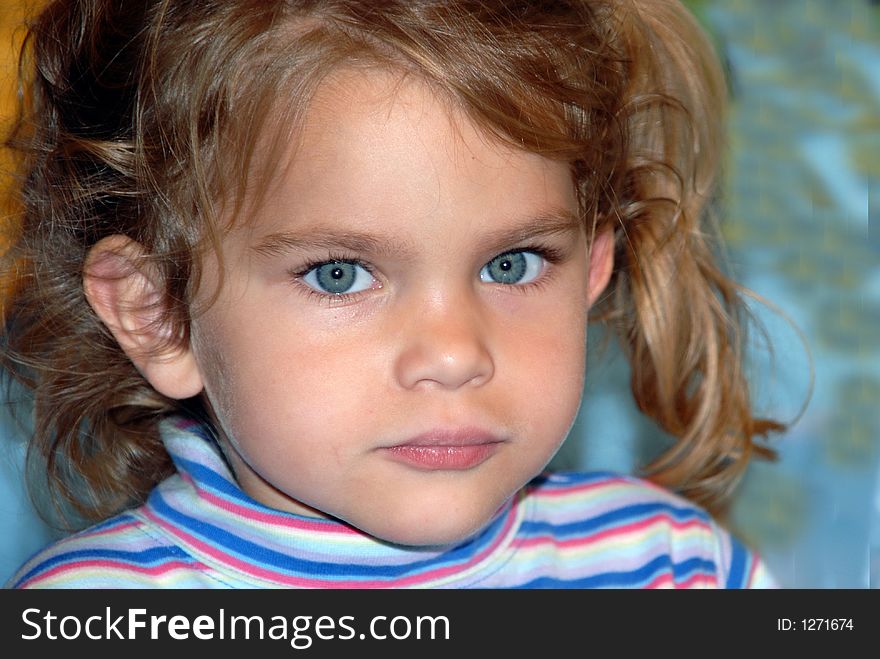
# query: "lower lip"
[[435, 458]]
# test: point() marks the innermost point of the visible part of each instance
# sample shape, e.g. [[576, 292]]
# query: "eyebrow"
[[544, 225], [547, 224]]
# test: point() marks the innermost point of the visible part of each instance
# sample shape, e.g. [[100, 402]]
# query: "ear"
[[125, 292], [601, 263]]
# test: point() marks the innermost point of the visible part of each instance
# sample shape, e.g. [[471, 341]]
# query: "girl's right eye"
[[338, 278]]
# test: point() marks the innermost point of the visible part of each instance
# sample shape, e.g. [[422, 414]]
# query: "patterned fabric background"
[[802, 208], [801, 215]]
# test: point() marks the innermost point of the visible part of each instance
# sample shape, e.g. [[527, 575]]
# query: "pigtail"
[[93, 435], [680, 319], [138, 119]]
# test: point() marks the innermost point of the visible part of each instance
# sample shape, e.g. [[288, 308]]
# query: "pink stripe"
[[618, 530], [106, 564], [752, 571], [270, 575], [698, 579], [276, 519], [183, 423], [665, 580], [113, 529], [442, 572]]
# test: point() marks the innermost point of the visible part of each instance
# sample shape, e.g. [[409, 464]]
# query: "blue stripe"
[[205, 476], [119, 520], [251, 552], [145, 558], [738, 561], [632, 579], [614, 517]]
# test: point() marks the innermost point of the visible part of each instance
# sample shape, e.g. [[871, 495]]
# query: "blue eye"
[[338, 278], [512, 268]]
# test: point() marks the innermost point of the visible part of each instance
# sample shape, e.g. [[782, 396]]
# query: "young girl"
[[301, 290]]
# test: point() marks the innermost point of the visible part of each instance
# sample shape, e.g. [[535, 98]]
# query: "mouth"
[[444, 449]]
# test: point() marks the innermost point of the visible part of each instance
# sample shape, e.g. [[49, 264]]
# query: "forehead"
[[385, 138]]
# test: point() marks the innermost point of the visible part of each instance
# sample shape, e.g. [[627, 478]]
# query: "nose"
[[444, 345]]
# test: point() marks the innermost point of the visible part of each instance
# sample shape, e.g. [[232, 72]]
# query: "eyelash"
[[550, 255]]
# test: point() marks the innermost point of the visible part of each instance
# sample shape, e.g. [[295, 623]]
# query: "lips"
[[453, 449]]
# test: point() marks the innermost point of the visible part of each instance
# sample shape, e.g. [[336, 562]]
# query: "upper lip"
[[463, 436]]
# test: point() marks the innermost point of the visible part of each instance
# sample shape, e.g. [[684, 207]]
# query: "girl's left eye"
[[338, 278], [517, 267]]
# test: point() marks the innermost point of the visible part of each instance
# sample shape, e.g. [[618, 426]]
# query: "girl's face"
[[399, 337]]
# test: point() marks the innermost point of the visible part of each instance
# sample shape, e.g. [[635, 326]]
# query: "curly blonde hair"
[[140, 119]]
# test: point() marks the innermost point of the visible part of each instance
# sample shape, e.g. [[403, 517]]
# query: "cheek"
[[547, 360], [272, 372]]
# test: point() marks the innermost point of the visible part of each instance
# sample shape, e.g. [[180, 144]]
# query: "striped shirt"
[[198, 529]]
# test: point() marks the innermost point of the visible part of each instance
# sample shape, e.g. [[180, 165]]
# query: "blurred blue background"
[[801, 214], [801, 211]]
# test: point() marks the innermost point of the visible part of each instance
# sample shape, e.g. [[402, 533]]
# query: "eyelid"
[[317, 263], [552, 255], [547, 252]]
